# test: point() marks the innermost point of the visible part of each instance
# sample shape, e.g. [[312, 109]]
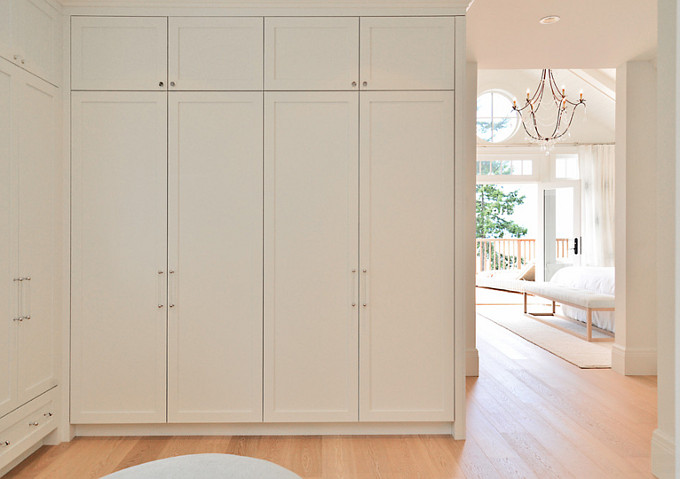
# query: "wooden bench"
[[578, 298]]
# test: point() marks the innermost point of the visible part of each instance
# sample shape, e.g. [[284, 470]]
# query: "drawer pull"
[[34, 423], [48, 414]]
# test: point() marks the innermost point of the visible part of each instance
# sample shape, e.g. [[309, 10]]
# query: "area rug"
[[577, 351]]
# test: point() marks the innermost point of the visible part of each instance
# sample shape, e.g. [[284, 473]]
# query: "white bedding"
[[591, 278]]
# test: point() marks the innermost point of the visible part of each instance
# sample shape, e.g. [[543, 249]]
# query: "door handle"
[[161, 285], [354, 288], [171, 284]]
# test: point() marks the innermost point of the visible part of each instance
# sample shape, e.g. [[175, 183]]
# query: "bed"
[[590, 278]]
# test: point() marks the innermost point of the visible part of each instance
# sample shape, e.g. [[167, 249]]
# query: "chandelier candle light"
[[563, 114]]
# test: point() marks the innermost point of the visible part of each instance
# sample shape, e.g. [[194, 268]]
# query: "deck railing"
[[511, 253]]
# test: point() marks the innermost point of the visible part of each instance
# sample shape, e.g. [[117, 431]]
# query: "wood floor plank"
[[530, 415]]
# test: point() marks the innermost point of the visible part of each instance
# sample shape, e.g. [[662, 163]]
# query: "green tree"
[[493, 207]]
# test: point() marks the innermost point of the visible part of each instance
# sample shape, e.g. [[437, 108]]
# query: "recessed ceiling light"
[[549, 20]]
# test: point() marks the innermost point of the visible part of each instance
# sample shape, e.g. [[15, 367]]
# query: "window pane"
[[485, 168], [501, 105], [527, 167], [504, 128], [484, 129], [516, 167], [484, 106]]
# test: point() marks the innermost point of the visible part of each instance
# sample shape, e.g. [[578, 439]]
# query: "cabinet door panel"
[[215, 336], [37, 27], [39, 167], [215, 53], [414, 53], [407, 249], [119, 235], [311, 53], [311, 247], [8, 240], [118, 53]]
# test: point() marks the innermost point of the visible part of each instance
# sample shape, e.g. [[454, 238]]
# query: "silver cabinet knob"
[[354, 83], [172, 83], [365, 83], [48, 414], [160, 83], [34, 423], [5, 443]]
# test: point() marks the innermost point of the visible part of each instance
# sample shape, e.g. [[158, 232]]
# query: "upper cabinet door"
[[30, 37], [311, 53], [118, 53], [39, 168], [215, 53], [413, 53], [38, 38]]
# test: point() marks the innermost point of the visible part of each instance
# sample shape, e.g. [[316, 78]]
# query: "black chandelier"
[[564, 114]]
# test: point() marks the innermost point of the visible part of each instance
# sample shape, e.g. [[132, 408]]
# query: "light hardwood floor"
[[530, 414]]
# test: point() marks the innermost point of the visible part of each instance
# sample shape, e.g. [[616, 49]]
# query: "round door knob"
[[160, 83], [365, 83], [172, 83], [354, 83]]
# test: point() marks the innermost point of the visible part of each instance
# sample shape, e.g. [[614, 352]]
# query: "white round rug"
[[205, 466]]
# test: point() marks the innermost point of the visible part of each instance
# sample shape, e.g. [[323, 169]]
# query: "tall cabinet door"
[[311, 247], [215, 260], [406, 256], [38, 167], [9, 292], [119, 236]]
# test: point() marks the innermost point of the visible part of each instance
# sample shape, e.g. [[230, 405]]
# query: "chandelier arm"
[[573, 112]]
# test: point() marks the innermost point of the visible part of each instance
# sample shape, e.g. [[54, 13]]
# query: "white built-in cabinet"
[[30, 37], [29, 173], [285, 252]]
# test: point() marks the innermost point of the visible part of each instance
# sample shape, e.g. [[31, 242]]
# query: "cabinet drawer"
[[26, 426]]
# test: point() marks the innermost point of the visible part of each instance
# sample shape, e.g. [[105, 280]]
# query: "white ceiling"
[[599, 86], [590, 34]]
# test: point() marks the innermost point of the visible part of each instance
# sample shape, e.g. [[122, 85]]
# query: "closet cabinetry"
[[30, 37], [285, 252], [29, 154]]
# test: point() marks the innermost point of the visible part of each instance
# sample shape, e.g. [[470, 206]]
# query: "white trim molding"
[[472, 362], [663, 455], [634, 361], [268, 429]]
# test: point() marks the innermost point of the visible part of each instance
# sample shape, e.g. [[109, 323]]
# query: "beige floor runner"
[[577, 351]]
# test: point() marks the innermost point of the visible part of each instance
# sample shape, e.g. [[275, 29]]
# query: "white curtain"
[[596, 165]]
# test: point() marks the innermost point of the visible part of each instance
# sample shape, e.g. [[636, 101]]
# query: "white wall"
[[634, 351], [665, 455]]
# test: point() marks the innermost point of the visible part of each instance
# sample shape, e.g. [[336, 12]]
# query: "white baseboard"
[[663, 455], [634, 361], [258, 429], [472, 362]]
